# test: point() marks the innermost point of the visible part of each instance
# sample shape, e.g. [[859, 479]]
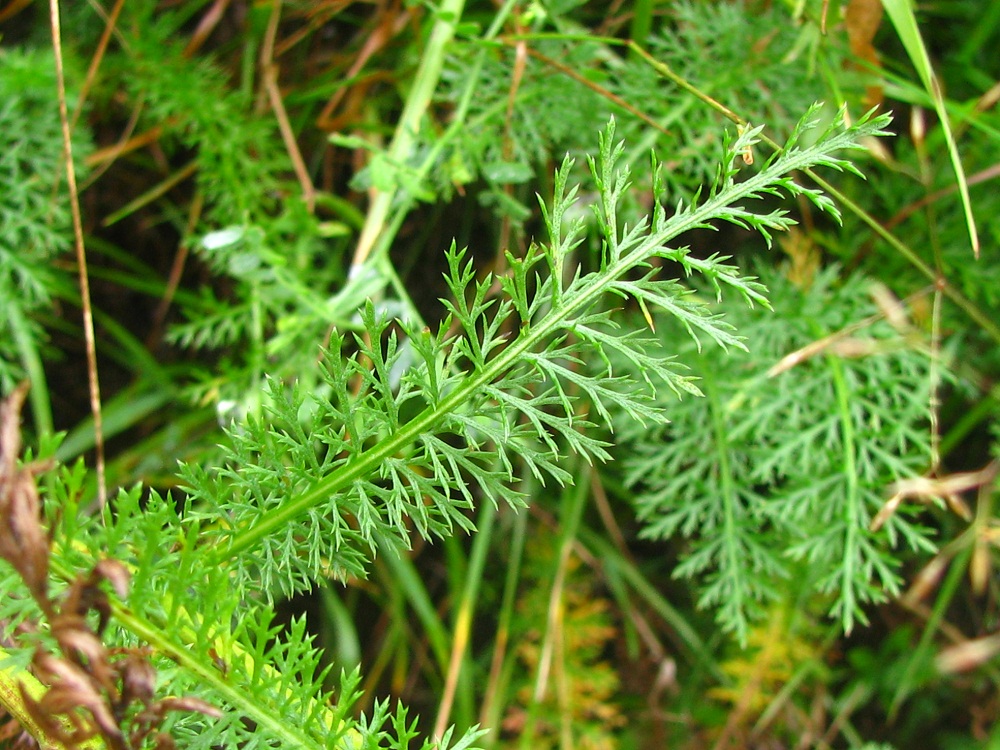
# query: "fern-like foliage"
[[239, 161], [410, 429], [791, 466], [747, 56], [34, 228], [432, 415]]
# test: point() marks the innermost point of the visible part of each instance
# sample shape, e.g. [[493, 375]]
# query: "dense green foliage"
[[427, 391], [802, 458]]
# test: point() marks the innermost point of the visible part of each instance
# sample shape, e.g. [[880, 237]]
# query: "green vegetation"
[[524, 375]]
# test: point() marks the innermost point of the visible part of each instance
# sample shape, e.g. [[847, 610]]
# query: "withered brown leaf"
[[90, 694], [23, 541]]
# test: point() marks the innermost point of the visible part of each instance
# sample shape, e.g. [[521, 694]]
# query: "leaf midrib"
[[587, 294]]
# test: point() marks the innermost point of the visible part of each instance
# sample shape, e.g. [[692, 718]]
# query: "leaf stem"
[[851, 500], [417, 102], [731, 531], [580, 298]]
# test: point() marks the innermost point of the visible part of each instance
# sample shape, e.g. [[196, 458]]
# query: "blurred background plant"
[[803, 558]]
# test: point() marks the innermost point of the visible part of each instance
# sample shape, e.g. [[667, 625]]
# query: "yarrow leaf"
[[500, 383]]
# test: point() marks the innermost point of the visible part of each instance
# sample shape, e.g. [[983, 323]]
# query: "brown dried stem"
[[81, 256]]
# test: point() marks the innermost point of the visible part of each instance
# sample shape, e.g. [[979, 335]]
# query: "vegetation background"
[[802, 557]]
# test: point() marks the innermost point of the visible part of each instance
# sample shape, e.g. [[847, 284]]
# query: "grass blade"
[[904, 20]]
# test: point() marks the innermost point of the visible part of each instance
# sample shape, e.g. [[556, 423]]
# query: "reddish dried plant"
[[92, 692]]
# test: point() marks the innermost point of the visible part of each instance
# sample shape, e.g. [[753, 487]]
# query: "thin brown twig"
[[666, 678], [829, 342], [176, 270], [15, 7], [517, 75], [990, 173], [316, 19], [126, 145], [81, 257], [206, 26], [116, 151], [376, 40], [95, 61], [269, 70]]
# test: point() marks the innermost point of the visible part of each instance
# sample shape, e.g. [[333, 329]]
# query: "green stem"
[[551, 666], [237, 698], [173, 643], [13, 683], [581, 299], [492, 703], [407, 579], [969, 307], [851, 502], [465, 613], [921, 656], [419, 99], [629, 572], [41, 408], [730, 500]]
